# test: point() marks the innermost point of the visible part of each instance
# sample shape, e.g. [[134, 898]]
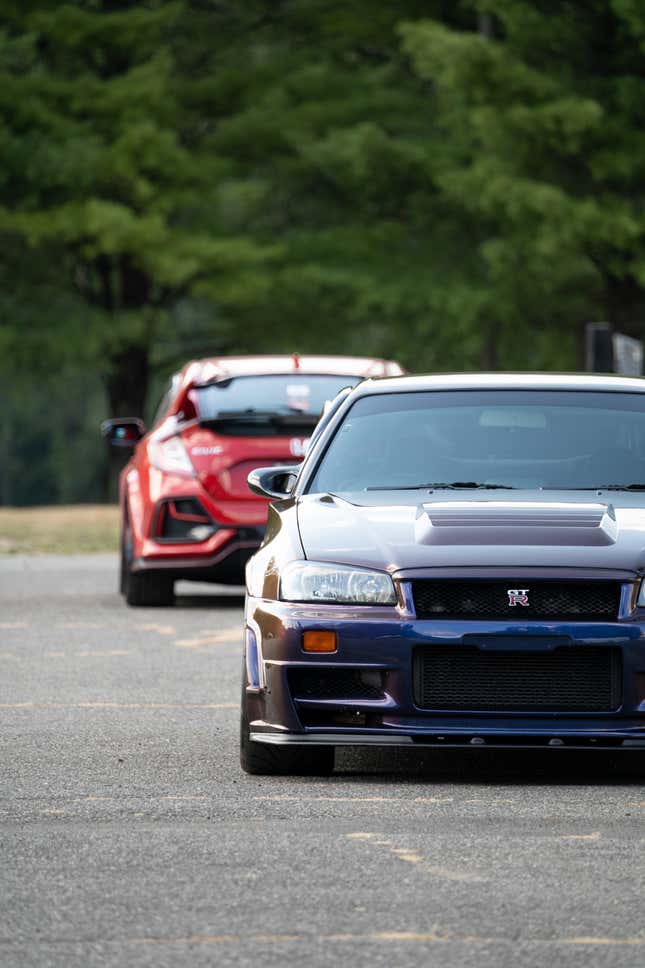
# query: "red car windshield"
[[267, 396]]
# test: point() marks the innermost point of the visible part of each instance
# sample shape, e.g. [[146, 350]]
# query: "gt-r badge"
[[518, 596]]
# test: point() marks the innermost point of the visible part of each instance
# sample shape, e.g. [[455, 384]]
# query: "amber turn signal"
[[319, 641]]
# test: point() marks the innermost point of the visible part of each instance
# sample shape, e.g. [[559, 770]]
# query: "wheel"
[[151, 588], [265, 759], [123, 568]]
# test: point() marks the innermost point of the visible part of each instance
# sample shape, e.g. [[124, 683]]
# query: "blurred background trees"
[[454, 184]]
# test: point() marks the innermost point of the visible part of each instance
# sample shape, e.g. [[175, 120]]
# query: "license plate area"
[[516, 643]]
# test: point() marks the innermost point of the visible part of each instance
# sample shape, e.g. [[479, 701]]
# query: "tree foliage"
[[453, 184], [544, 118]]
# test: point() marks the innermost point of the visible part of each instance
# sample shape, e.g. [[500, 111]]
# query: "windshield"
[[497, 438], [294, 394]]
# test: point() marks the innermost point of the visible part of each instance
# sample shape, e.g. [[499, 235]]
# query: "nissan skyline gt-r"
[[458, 562], [186, 509]]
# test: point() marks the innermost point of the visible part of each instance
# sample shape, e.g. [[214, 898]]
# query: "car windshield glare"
[[474, 439]]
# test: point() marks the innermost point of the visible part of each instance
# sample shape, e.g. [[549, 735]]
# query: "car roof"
[[503, 381], [224, 367]]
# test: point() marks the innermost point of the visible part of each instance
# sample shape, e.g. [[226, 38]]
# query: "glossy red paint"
[[182, 460]]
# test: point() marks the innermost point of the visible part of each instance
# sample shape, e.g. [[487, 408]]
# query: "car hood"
[[398, 530]]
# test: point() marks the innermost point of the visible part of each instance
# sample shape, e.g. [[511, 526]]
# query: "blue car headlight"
[[640, 601], [313, 581]]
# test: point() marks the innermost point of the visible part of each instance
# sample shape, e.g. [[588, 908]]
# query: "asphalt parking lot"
[[129, 836]]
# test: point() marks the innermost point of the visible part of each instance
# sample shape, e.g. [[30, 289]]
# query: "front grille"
[[576, 601], [568, 679], [340, 683]]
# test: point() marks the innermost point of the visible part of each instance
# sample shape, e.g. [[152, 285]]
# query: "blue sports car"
[[459, 561]]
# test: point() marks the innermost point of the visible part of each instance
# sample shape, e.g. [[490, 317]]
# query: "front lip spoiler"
[[467, 741], [194, 561]]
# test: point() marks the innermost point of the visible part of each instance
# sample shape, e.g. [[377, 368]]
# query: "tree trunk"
[[489, 352], [127, 381]]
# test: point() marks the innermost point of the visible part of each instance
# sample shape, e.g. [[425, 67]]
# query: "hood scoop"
[[515, 523]]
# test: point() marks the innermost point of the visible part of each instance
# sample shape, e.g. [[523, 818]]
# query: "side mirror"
[[274, 482], [125, 432]]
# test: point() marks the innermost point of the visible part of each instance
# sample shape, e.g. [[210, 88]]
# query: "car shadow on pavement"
[[201, 595], [209, 601], [537, 767]]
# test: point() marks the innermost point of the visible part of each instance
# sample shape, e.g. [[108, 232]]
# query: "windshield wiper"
[[435, 486], [603, 487], [259, 416]]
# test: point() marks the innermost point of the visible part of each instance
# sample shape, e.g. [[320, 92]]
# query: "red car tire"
[[145, 588]]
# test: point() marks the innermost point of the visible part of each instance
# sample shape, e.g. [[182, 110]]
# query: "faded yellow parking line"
[[300, 798], [221, 939], [83, 625], [434, 936], [593, 836], [61, 654], [86, 653], [389, 937], [118, 705], [410, 856], [282, 797], [131, 796], [159, 629], [631, 942], [205, 638]]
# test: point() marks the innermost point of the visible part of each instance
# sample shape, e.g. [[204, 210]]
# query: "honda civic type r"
[[459, 561], [185, 506]]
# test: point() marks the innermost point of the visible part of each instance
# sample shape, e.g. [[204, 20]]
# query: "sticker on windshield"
[[298, 396]]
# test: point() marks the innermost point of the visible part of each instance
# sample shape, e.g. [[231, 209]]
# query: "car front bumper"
[[380, 641]]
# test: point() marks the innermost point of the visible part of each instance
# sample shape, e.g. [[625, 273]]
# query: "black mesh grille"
[[570, 678], [177, 519], [582, 601], [335, 684]]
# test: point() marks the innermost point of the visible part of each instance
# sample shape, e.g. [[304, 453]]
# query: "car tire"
[[146, 588], [262, 759], [149, 588]]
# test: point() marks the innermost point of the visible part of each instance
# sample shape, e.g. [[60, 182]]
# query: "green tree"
[[332, 149], [455, 185], [108, 182], [541, 109]]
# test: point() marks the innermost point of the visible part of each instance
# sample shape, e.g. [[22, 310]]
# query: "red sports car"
[[186, 509]]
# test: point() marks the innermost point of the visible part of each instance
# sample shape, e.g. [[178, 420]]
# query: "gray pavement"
[[129, 836]]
